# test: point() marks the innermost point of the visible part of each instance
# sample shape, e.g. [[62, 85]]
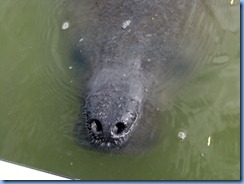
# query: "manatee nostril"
[[96, 126], [119, 128]]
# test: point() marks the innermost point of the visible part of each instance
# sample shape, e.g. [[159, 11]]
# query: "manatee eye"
[[119, 128]]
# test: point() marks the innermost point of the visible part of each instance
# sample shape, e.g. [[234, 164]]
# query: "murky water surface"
[[40, 101]]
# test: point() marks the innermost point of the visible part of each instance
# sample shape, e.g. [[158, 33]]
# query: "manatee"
[[134, 53]]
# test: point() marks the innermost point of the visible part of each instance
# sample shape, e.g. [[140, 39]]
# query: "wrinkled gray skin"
[[129, 66]]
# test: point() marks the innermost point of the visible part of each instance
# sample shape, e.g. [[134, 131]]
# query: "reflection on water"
[[40, 103]]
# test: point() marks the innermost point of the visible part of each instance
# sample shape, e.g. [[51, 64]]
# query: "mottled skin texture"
[[129, 67]]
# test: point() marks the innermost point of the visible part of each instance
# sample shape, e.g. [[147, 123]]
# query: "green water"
[[39, 105]]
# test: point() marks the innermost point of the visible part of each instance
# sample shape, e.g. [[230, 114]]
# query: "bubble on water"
[[81, 39], [126, 24], [182, 135], [70, 67], [65, 25]]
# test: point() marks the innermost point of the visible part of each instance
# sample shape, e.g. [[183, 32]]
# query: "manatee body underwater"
[[134, 52]]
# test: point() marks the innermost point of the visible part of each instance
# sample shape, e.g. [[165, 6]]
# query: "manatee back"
[[162, 38]]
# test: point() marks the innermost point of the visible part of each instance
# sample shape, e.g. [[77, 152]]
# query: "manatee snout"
[[110, 119]]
